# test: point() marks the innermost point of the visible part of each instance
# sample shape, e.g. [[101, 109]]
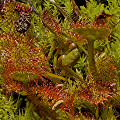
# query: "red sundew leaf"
[[12, 85], [96, 95], [15, 63], [91, 31], [50, 93], [68, 106], [107, 70]]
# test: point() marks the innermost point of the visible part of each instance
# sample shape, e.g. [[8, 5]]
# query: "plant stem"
[[73, 74], [91, 59]]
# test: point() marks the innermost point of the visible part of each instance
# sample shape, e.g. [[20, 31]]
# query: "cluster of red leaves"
[[49, 93], [13, 85], [54, 96], [68, 106], [96, 94], [22, 55], [107, 71], [105, 88]]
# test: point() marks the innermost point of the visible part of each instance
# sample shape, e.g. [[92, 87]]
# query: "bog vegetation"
[[59, 60]]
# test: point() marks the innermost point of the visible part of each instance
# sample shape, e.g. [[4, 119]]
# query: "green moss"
[[9, 110]]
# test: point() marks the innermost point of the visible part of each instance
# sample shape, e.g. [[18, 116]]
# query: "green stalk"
[[73, 74], [91, 59]]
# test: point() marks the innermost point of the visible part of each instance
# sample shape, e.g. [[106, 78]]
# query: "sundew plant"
[[62, 58]]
